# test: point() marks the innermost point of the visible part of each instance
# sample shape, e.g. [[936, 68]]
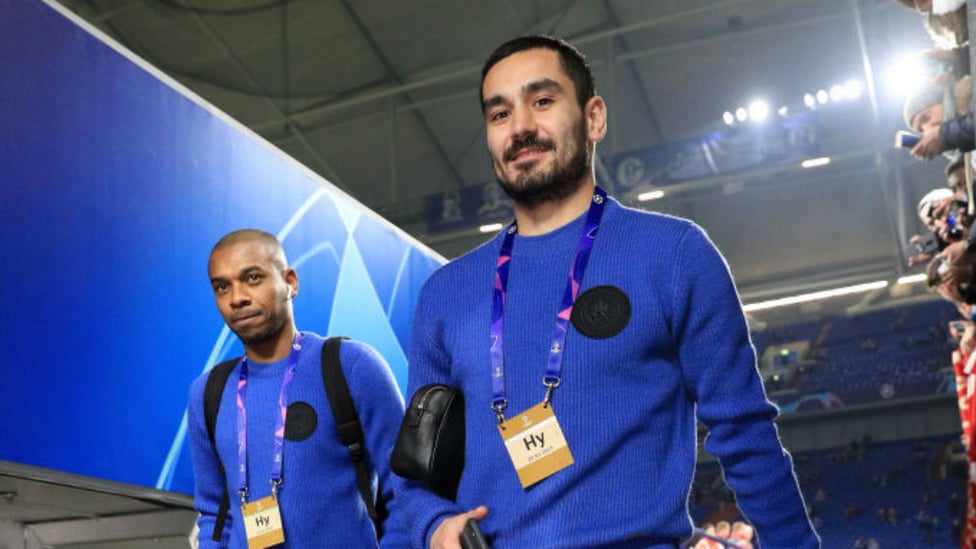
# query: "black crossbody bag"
[[430, 448], [430, 444]]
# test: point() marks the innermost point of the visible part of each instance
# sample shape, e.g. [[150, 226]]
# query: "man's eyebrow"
[[240, 273], [545, 84], [492, 101], [250, 269]]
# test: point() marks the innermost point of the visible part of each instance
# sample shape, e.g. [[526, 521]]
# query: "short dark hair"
[[573, 62], [254, 235]]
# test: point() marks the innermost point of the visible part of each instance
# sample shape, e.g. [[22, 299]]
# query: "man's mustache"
[[530, 141]]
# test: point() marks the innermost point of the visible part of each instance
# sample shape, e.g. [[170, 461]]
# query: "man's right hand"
[[448, 533]]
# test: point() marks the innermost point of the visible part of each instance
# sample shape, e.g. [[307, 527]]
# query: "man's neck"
[[546, 217], [275, 348]]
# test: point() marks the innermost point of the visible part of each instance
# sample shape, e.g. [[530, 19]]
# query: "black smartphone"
[[472, 538], [927, 244]]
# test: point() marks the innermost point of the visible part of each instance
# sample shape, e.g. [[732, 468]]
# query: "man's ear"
[[595, 113], [291, 279]]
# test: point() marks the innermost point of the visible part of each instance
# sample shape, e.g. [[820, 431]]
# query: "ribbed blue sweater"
[[627, 403], [319, 500]]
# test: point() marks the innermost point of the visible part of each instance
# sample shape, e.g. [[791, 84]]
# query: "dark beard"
[[263, 336], [534, 189]]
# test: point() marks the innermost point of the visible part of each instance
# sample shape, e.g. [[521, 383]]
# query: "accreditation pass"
[[536, 444], [262, 523]]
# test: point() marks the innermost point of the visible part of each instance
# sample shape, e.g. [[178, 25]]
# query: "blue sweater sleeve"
[[422, 510], [719, 364], [209, 483]]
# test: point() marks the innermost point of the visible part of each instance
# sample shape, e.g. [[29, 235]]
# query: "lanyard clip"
[[275, 483], [499, 408], [243, 493], [550, 387]]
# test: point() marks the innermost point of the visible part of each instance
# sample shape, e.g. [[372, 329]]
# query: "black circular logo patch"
[[601, 312], [300, 422]]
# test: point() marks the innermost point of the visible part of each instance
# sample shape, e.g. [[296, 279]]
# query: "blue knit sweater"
[[627, 403], [319, 500]]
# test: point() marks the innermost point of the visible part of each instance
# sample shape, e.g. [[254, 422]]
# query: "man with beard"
[[284, 466], [585, 337]]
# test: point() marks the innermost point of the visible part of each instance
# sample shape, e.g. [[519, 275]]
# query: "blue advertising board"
[[115, 182]]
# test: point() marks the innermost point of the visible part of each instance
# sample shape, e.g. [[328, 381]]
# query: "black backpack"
[[346, 419]]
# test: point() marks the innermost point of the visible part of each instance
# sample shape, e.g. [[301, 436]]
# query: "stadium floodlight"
[[758, 110], [836, 92], [853, 89], [822, 96], [784, 111], [650, 195], [912, 279], [904, 75], [741, 114], [809, 100], [815, 296], [728, 118], [815, 162]]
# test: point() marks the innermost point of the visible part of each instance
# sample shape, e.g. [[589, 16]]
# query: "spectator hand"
[[968, 341], [920, 258], [930, 145], [943, 232]]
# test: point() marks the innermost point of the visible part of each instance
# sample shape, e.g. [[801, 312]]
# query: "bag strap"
[[212, 394], [348, 426]]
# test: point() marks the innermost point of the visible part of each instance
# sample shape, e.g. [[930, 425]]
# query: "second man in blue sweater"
[[586, 338]]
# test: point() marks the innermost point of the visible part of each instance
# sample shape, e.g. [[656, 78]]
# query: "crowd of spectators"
[[896, 495], [941, 112], [939, 118]]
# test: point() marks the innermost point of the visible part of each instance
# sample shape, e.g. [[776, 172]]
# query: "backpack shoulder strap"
[[347, 423], [212, 394]]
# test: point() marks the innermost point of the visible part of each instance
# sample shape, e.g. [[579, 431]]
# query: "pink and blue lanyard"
[[553, 378], [279, 433]]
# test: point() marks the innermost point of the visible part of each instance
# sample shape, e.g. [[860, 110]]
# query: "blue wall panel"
[[114, 184]]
